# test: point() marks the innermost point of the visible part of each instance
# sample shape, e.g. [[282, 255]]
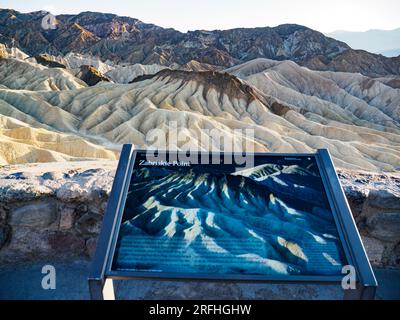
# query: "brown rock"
[[279, 109], [28, 244], [375, 250], [3, 215], [91, 246], [385, 226], [103, 207], [91, 75], [65, 243], [38, 214], [384, 199], [48, 61], [89, 224], [82, 208], [67, 217], [356, 199], [5, 233], [25, 243], [395, 256], [221, 82]]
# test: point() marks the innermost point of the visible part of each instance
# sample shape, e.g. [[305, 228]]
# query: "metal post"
[[101, 290], [360, 293], [97, 278], [96, 289], [367, 284]]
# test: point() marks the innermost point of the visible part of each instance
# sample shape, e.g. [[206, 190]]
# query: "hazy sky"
[[183, 15]]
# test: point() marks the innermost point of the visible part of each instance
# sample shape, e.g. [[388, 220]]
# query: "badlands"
[[49, 114]]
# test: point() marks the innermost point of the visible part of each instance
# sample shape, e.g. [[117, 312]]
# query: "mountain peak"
[[289, 28], [125, 39], [222, 82]]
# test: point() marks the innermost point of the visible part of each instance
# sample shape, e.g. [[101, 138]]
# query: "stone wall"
[[49, 228], [374, 200], [52, 214], [58, 213]]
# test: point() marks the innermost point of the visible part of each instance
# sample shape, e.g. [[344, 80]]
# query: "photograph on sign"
[[273, 218]]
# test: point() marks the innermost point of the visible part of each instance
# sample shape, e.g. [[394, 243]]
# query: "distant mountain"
[[386, 42], [391, 53], [124, 39]]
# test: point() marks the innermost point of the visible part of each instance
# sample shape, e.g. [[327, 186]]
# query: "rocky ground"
[[53, 212]]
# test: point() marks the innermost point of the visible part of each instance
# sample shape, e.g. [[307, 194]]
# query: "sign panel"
[[227, 220], [277, 218]]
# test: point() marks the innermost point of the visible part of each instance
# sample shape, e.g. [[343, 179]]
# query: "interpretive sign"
[[278, 217]]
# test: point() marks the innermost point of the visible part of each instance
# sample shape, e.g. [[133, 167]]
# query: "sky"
[[184, 15]]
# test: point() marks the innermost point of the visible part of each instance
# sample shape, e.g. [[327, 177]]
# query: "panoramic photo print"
[[272, 219]]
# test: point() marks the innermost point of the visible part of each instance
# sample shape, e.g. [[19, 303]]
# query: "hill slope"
[[21, 143], [290, 109]]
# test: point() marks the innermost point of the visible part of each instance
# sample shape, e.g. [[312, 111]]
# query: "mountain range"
[[124, 39], [385, 42]]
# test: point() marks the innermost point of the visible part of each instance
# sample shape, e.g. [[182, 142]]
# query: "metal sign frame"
[[101, 276]]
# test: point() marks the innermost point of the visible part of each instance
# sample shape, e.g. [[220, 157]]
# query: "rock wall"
[[52, 214], [55, 211], [375, 203], [48, 228]]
